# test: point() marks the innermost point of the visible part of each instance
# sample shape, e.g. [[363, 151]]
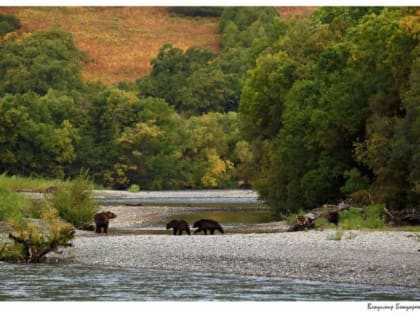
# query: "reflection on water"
[[72, 282]]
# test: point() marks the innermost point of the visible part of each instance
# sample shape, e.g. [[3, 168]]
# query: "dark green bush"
[[8, 23], [198, 11]]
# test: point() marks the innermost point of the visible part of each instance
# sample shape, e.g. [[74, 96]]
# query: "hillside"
[[121, 41]]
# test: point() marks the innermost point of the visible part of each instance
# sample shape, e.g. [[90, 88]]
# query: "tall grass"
[[12, 204], [14, 183], [75, 202], [370, 218]]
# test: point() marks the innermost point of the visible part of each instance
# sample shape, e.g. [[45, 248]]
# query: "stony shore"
[[376, 258], [359, 257]]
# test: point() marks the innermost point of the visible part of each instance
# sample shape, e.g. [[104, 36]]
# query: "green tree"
[[192, 81], [207, 90], [209, 149], [170, 70], [151, 147], [45, 60], [30, 141], [263, 94], [329, 120], [8, 23]]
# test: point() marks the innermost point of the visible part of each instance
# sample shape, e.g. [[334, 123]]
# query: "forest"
[[306, 111]]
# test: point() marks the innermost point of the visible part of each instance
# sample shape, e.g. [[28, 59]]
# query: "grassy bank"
[[16, 183], [73, 199], [38, 226], [371, 217]]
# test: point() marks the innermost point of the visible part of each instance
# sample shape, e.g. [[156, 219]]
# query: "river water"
[[75, 282], [177, 197]]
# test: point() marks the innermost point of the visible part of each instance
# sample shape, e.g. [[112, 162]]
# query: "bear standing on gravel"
[[205, 224], [102, 220], [179, 226]]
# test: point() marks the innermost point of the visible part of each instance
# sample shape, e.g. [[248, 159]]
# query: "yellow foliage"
[[217, 169], [117, 175], [140, 132]]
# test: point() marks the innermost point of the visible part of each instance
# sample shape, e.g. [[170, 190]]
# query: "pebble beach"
[[359, 257]]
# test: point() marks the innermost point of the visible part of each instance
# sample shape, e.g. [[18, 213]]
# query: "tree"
[[192, 81], [211, 139], [8, 23], [208, 90], [45, 60], [262, 99], [31, 141], [151, 147], [170, 70], [323, 110]]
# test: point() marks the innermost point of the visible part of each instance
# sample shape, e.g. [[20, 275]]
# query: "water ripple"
[[73, 282]]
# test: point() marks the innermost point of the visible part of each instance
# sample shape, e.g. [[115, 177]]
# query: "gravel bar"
[[360, 257]]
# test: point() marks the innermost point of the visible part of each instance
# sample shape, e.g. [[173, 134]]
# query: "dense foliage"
[[329, 109], [309, 110], [197, 11], [8, 23]]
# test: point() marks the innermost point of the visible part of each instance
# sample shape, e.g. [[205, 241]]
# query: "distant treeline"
[[307, 111], [198, 11]]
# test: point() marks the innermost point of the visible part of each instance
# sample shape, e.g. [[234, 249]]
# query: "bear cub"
[[102, 221]]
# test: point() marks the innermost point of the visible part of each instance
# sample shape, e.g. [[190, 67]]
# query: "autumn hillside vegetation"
[[119, 42]]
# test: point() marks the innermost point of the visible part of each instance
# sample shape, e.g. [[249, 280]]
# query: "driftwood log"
[[48, 190], [402, 217], [330, 212]]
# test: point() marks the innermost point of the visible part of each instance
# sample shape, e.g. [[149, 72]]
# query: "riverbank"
[[356, 257], [360, 257]]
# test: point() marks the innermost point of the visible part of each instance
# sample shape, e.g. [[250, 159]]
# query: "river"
[[73, 282]]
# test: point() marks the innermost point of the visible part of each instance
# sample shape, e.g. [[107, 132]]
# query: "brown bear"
[[179, 226], [205, 224], [102, 220], [333, 217]]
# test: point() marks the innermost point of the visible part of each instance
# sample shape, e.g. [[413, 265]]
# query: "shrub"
[[34, 239], [8, 23], [75, 202], [351, 219], [11, 204], [370, 218], [374, 217], [134, 188]]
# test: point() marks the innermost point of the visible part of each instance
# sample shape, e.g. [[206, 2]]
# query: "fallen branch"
[[328, 211], [388, 213], [402, 217]]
